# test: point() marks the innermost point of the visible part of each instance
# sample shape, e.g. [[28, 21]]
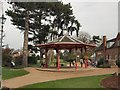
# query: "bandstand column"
[[76, 64], [58, 59], [70, 64], [82, 58], [70, 53], [46, 58], [86, 58]]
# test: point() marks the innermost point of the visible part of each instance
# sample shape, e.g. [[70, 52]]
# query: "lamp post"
[[2, 21]]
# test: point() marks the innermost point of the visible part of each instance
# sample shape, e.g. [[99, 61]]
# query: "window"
[[118, 44], [109, 44], [109, 57], [116, 57]]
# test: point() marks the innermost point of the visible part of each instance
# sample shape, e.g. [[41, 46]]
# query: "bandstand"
[[62, 43]]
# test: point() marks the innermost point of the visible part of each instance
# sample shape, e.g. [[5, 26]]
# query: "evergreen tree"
[[41, 20], [20, 17], [96, 40]]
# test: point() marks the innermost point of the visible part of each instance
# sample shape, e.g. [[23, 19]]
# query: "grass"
[[81, 82], [8, 73]]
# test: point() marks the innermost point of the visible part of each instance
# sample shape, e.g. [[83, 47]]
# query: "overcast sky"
[[96, 18]]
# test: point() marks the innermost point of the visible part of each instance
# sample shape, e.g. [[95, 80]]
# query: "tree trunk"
[[25, 44]]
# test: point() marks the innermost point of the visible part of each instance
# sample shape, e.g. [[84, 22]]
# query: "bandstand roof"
[[65, 42]]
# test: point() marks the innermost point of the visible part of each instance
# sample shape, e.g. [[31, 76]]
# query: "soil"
[[112, 82]]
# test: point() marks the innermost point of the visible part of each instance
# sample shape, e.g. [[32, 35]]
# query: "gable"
[[66, 39], [112, 43]]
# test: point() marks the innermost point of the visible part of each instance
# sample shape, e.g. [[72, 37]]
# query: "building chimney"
[[104, 41], [104, 46]]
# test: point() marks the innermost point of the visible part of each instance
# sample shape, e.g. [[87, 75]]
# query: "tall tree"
[[96, 39], [75, 26], [20, 17], [39, 21], [25, 46], [65, 20]]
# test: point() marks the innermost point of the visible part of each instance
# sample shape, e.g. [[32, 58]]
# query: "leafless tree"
[[84, 36]]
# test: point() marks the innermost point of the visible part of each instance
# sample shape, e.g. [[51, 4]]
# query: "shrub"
[[104, 66], [118, 62], [18, 60], [6, 60], [102, 63], [32, 59]]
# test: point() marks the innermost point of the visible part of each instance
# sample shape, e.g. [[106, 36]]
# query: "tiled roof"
[[101, 47], [65, 41], [66, 38]]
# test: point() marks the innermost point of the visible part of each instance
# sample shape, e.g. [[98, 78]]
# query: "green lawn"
[[81, 82], [8, 73]]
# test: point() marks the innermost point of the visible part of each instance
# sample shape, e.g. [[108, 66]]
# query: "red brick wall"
[[112, 54]]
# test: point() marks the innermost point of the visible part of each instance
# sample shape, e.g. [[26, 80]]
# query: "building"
[[16, 53], [109, 49]]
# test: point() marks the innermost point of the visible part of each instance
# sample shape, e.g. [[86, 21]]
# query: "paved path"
[[36, 76]]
